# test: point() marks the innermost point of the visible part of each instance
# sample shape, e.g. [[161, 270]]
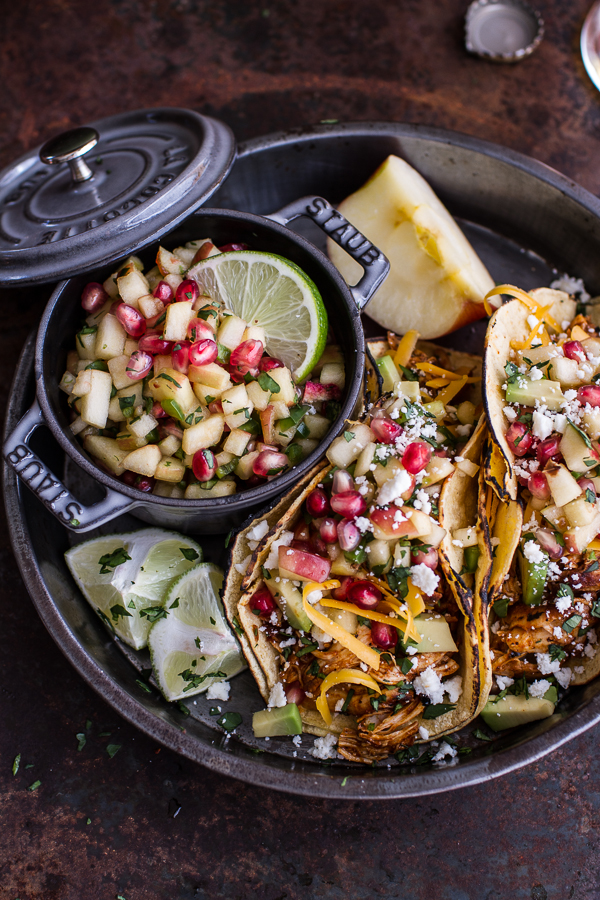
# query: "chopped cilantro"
[[118, 610], [437, 709], [267, 383], [189, 553], [112, 560], [113, 749], [230, 721]]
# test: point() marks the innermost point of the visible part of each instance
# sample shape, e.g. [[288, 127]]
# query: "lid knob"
[[69, 147]]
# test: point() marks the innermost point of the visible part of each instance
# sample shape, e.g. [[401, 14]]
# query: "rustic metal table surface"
[[146, 823]]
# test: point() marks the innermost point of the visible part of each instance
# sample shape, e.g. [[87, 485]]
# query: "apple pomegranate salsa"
[[353, 600], [546, 612], [174, 394]]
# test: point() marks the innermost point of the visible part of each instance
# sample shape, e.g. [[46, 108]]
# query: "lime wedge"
[[192, 647], [267, 290], [124, 576]]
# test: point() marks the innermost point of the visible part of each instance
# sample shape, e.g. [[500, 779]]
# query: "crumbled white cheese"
[[533, 553], [560, 423], [464, 430], [453, 687], [363, 524], [241, 567], [425, 578], [539, 688], [510, 413], [297, 740], [533, 321], [324, 747], [339, 705], [218, 691], [570, 286], [549, 666], [563, 676], [314, 596], [277, 696], [535, 374], [562, 603], [422, 501], [445, 750], [430, 684], [557, 632], [543, 425], [394, 487], [258, 531], [504, 682], [423, 733], [284, 540]]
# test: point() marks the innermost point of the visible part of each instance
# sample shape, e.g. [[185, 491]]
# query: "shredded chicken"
[[380, 735], [510, 666]]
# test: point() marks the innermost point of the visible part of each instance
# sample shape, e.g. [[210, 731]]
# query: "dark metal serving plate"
[[527, 222]]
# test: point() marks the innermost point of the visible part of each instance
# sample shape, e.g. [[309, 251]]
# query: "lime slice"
[[267, 290], [192, 647], [126, 591]]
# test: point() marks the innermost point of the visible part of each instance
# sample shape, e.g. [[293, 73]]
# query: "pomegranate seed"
[[341, 593], [590, 394], [164, 292], [586, 484], [227, 248], [270, 362], [93, 297], [305, 546], [173, 429], [348, 504], [187, 290], [548, 542], [386, 430], [441, 453], [199, 330], [138, 365], [302, 532], [204, 465], [254, 481], [574, 350], [215, 406], [262, 602], [128, 478], [342, 482], [317, 503], [246, 356], [131, 319], [294, 693], [548, 449], [416, 456], [328, 531], [238, 377], [143, 483], [269, 462], [203, 352], [424, 556], [348, 535], [158, 412], [538, 485], [519, 438], [154, 343], [318, 545], [383, 636], [364, 594], [180, 357]]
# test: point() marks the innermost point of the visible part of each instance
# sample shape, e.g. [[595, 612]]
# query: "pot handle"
[[376, 266], [49, 489]]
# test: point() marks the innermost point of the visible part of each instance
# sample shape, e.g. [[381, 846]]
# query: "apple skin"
[[386, 527], [437, 282], [298, 565]]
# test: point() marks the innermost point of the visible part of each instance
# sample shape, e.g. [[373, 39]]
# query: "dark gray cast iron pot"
[[62, 318]]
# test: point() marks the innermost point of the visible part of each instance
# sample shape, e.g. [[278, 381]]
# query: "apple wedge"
[[437, 282]]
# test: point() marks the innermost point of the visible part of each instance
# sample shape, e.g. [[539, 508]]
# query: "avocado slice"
[[389, 372], [518, 710], [470, 559], [289, 600], [533, 575], [436, 636], [525, 392], [282, 720]]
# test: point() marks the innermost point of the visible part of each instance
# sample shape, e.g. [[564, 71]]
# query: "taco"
[[358, 602], [542, 515]]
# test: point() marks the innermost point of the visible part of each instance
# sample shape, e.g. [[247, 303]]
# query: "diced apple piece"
[[307, 445], [333, 373], [86, 345], [381, 474], [142, 425], [591, 422], [179, 316], [575, 451], [173, 280], [259, 398], [144, 460], [287, 388], [236, 442], [437, 282], [317, 425], [150, 306], [576, 540], [169, 445], [254, 333], [317, 393], [173, 385], [224, 488], [437, 469], [379, 553], [244, 468], [387, 528], [115, 413], [365, 460], [331, 354], [563, 486], [110, 286], [185, 254], [132, 392], [168, 263], [300, 565], [267, 423], [213, 375], [110, 338], [130, 346], [166, 489], [281, 409], [128, 441], [83, 383], [162, 361], [94, 405], [153, 277], [283, 436], [237, 406], [231, 332], [170, 469], [132, 286], [78, 425], [467, 536], [555, 516], [538, 354], [204, 434], [205, 393], [564, 371], [579, 512], [341, 566], [436, 535], [342, 453], [107, 451], [117, 366]]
